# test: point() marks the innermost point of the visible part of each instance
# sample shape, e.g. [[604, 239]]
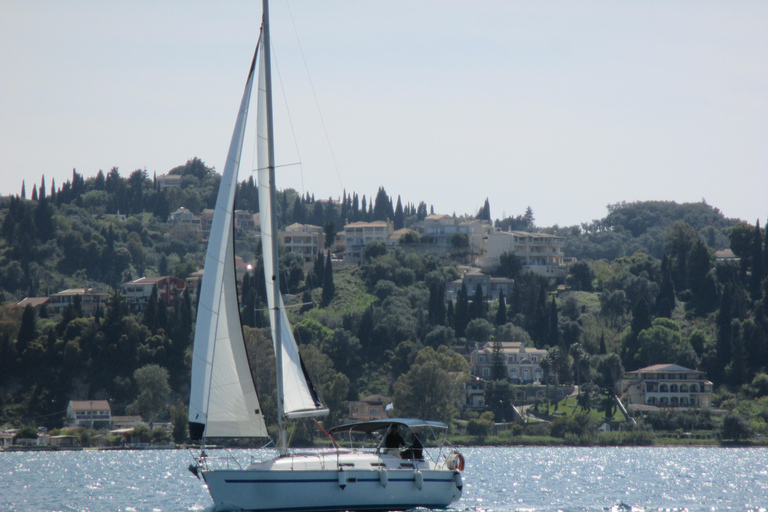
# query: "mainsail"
[[300, 398], [223, 400]]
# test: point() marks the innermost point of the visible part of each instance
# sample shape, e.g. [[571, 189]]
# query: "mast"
[[275, 288]]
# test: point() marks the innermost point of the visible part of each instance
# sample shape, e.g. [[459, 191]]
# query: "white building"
[[521, 363], [165, 181], [90, 299], [539, 253], [93, 414], [667, 385], [359, 234], [304, 239]]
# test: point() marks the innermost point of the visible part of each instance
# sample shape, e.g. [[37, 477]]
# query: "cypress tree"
[[27, 329], [498, 368], [554, 329], [461, 315], [436, 311], [399, 220], [758, 264], [501, 313], [329, 288], [665, 300], [150, 312], [449, 313], [478, 304], [641, 316], [724, 330], [319, 267], [365, 329], [162, 315]]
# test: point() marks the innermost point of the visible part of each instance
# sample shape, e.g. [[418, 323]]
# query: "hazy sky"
[[563, 106]]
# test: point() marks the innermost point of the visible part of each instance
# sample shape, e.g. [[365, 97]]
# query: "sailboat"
[[223, 399]]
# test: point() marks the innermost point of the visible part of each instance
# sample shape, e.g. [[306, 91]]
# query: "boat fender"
[[455, 461], [383, 477], [418, 479], [193, 469], [342, 479], [458, 480]]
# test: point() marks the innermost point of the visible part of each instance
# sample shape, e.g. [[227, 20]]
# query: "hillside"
[[647, 289]]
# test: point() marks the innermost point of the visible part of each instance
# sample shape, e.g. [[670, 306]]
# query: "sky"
[[565, 107]]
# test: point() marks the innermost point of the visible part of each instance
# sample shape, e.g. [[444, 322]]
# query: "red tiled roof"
[[90, 405]]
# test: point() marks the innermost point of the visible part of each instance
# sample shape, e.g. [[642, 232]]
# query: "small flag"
[[389, 407]]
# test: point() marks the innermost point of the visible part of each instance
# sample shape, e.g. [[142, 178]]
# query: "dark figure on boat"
[[393, 440], [416, 450]]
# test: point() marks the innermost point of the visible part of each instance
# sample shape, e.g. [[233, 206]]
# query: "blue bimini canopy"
[[375, 425]]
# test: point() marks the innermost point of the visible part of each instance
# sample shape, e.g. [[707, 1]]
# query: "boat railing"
[[223, 459]]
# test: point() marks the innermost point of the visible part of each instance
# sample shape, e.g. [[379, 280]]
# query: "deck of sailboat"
[[342, 459]]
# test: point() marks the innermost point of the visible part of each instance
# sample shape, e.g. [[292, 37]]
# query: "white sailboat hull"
[[315, 483]]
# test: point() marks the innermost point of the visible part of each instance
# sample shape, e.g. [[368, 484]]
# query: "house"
[[37, 303], [491, 286], [206, 221], [395, 238], [138, 291], [165, 181], [193, 284], [359, 234], [6, 437], [63, 441], [666, 385], [372, 407], [127, 422], [303, 239], [477, 232], [89, 299], [93, 414], [539, 253], [245, 221], [521, 363], [438, 230], [184, 217]]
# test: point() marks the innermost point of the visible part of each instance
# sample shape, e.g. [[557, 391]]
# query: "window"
[[513, 371], [511, 359], [486, 373], [534, 359], [481, 358]]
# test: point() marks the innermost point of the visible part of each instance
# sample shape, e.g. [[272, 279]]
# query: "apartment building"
[[359, 234], [539, 253], [667, 385], [304, 239]]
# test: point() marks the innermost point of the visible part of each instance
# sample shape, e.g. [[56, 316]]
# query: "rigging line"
[[314, 95], [276, 166], [45, 415], [290, 119]]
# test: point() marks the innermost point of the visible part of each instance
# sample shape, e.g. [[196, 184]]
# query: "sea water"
[[496, 479]]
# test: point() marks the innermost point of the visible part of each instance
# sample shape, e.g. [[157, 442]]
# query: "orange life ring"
[[455, 461], [460, 461]]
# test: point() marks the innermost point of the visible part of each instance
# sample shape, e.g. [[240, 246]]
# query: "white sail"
[[300, 398], [223, 400]]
